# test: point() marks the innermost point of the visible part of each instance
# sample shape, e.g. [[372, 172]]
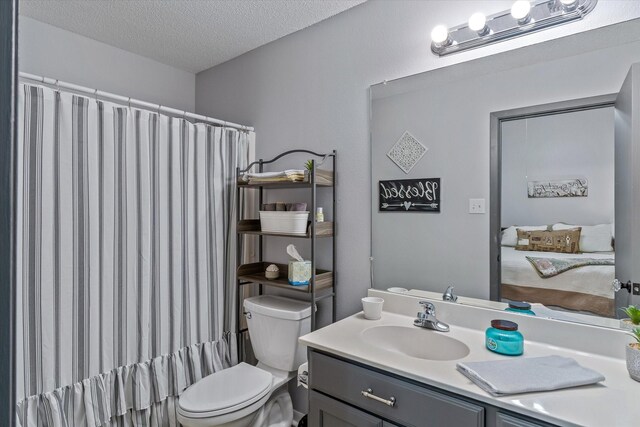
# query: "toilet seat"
[[226, 392]]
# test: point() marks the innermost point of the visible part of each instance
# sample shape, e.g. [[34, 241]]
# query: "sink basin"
[[416, 342]]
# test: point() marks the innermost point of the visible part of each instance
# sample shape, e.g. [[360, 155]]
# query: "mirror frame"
[[495, 169]]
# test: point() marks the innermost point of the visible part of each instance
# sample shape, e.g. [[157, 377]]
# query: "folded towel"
[[525, 375], [289, 175]]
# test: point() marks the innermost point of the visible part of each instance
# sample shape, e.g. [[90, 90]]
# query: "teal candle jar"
[[520, 307], [503, 338]]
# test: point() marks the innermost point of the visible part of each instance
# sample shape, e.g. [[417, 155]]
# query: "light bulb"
[[478, 23], [520, 11], [569, 5], [440, 34]]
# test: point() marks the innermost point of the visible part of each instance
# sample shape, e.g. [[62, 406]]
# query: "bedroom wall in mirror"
[[557, 211], [433, 165]]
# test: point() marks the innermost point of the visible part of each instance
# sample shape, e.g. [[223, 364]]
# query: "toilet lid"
[[227, 390]]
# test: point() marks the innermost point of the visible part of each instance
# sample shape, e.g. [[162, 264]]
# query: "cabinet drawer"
[[413, 406], [506, 420], [327, 412]]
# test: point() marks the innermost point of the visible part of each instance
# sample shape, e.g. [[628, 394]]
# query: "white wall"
[[571, 145], [310, 90], [49, 51]]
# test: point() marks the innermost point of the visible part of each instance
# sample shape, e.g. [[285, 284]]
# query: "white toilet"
[[250, 396]]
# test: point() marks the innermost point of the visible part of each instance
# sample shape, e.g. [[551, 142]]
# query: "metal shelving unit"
[[322, 284]]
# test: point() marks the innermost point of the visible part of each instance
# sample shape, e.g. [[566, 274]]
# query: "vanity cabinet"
[[345, 393], [327, 412], [506, 420]]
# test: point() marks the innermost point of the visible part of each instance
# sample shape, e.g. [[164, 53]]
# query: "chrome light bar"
[[524, 17]]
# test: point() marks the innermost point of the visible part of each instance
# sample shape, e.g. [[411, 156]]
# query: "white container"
[[372, 307], [275, 324], [294, 222]]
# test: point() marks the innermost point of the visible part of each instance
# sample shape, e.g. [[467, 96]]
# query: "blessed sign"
[[407, 195]]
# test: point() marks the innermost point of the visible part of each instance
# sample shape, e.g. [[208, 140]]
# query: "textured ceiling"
[[189, 34]]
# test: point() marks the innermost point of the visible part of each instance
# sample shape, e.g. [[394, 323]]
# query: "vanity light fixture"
[[568, 5], [521, 11], [525, 16], [440, 36], [478, 23]]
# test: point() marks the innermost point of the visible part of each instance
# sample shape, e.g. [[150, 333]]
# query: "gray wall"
[[310, 89], [450, 115], [49, 51], [570, 145]]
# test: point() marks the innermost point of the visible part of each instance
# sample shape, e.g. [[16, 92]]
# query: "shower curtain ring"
[[95, 94], [129, 102]]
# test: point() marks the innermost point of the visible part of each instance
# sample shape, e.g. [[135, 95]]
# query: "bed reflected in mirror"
[[557, 212]]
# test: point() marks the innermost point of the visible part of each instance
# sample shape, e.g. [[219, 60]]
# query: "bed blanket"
[[550, 267]]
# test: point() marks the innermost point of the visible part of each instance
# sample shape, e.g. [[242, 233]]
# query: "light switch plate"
[[476, 206]]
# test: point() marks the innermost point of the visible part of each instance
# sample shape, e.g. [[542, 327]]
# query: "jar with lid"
[[520, 307], [503, 338]]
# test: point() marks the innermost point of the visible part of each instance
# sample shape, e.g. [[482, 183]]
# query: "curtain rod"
[[130, 101]]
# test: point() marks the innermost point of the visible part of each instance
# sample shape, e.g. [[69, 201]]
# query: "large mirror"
[[511, 178]]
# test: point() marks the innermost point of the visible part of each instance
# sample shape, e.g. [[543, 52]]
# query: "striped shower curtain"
[[125, 224]]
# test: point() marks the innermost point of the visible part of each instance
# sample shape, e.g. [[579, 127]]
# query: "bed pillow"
[[593, 238], [561, 241], [510, 234]]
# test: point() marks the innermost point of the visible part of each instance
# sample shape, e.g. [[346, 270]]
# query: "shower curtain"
[[125, 230]]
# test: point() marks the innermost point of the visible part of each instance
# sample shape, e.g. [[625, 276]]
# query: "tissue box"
[[299, 272]]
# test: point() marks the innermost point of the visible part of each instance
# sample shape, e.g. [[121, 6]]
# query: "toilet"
[[254, 396]]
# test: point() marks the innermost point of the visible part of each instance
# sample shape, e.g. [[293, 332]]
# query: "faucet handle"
[[448, 295], [427, 307]]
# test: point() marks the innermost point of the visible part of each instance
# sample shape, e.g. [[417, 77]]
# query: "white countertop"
[[614, 402]]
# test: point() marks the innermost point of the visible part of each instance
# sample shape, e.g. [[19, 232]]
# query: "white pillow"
[[593, 238], [510, 235]]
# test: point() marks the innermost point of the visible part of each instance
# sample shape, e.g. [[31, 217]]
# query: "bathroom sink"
[[416, 342]]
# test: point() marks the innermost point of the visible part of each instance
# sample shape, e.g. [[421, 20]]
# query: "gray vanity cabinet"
[[505, 420], [327, 412], [392, 399], [347, 394]]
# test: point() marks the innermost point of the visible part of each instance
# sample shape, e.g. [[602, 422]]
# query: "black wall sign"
[[409, 195]]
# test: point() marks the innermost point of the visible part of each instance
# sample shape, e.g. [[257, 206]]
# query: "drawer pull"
[[369, 394]]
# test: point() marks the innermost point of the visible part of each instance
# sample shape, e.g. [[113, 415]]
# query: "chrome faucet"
[[427, 318], [449, 295]]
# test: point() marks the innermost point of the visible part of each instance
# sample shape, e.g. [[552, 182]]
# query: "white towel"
[[262, 175], [525, 375]]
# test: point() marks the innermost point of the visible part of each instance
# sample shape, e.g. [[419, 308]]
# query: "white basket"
[[294, 222]]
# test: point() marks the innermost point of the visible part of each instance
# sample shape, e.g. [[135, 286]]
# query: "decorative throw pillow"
[[510, 234], [523, 239], [562, 241], [593, 238]]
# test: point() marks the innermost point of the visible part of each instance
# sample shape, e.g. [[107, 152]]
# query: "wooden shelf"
[[252, 226], [323, 179], [275, 185], [255, 273]]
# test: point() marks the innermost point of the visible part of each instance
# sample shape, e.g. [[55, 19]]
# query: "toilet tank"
[[275, 324]]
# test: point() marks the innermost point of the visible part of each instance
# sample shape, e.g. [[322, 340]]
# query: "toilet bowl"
[[254, 396]]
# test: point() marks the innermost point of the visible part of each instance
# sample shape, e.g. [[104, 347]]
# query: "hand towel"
[[528, 374]]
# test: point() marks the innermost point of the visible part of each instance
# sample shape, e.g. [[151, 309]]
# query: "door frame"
[[495, 170], [8, 87]]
